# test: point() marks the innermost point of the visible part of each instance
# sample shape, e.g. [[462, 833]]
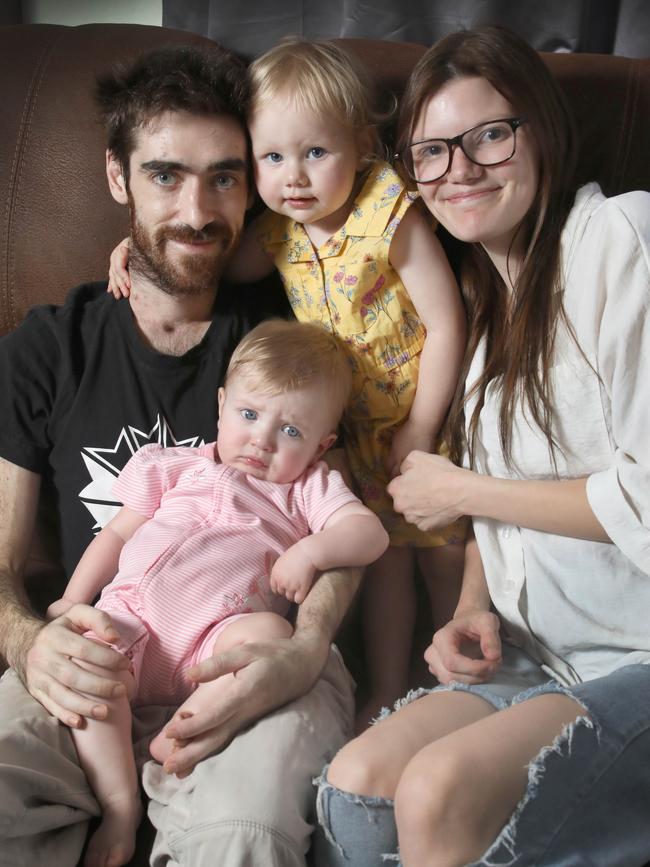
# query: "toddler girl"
[[358, 257], [213, 543]]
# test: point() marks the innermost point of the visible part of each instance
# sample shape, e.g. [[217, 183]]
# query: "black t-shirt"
[[80, 393]]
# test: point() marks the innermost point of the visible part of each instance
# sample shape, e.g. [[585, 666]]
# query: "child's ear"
[[221, 396], [365, 148], [324, 445], [116, 183]]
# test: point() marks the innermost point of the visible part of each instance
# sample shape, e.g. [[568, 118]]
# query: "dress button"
[[505, 532]]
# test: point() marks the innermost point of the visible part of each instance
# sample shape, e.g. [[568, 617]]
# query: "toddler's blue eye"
[[249, 414], [316, 153], [274, 157], [291, 431]]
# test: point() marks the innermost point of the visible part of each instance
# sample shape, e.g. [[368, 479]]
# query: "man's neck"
[[170, 324]]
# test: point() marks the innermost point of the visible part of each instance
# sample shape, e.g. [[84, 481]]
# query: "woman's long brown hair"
[[519, 328]]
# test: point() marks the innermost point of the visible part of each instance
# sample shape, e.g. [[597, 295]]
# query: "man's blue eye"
[[249, 414], [165, 179], [291, 431], [316, 153], [224, 182]]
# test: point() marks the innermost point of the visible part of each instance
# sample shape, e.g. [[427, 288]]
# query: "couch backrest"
[[58, 222]]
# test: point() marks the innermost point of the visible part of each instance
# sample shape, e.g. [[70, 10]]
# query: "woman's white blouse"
[[582, 609]]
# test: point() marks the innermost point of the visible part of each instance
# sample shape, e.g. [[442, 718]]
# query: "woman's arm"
[[418, 257], [433, 492], [468, 648]]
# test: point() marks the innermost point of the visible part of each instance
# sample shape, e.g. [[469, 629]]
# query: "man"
[[83, 386]]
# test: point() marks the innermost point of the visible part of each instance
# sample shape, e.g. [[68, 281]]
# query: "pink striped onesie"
[[204, 555]]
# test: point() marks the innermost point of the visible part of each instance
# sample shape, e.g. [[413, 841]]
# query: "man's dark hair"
[[199, 80]]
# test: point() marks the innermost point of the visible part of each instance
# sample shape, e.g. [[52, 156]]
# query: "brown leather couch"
[[58, 222]]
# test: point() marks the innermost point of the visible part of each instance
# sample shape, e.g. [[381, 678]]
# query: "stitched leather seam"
[[15, 177]]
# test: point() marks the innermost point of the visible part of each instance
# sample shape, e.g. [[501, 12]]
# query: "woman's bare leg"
[[372, 764], [457, 793]]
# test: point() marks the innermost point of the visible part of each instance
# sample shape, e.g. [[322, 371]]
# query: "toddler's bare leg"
[[260, 626], [389, 605], [442, 570], [106, 755]]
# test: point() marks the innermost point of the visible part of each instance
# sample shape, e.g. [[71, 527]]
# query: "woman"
[[541, 728]]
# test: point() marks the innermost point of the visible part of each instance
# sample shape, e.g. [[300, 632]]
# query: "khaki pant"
[[250, 805]]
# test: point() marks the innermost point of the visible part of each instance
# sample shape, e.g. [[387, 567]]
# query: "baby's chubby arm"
[[99, 563], [352, 536]]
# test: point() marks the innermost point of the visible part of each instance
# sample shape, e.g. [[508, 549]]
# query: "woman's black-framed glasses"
[[487, 144]]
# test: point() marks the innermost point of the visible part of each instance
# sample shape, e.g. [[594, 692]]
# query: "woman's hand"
[[429, 491], [467, 649]]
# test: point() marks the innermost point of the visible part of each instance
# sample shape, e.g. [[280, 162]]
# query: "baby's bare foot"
[[161, 746], [113, 843]]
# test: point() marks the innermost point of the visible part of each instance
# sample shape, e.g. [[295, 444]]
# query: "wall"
[[73, 12]]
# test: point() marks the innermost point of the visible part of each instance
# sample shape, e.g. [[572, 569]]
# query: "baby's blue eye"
[[316, 153], [273, 157], [249, 414], [291, 431]]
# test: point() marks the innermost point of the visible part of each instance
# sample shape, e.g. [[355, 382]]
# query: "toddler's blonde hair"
[[323, 78], [280, 356]]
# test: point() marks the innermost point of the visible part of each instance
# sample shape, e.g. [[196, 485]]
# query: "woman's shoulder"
[[592, 210]]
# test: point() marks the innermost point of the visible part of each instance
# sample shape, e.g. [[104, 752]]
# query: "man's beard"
[[190, 275]]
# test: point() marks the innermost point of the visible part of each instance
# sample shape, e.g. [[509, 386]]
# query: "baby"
[[213, 543]]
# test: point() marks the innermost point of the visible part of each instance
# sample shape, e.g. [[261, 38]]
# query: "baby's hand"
[[407, 439], [58, 609], [292, 574], [119, 282]]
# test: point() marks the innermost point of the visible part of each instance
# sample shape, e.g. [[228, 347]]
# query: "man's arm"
[[267, 675], [43, 655]]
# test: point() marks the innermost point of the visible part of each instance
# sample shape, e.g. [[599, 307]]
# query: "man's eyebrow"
[[229, 164]]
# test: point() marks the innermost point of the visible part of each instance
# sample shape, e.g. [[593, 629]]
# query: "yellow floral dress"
[[349, 287]]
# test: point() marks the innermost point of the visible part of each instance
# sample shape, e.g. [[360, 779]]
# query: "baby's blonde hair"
[[281, 356], [323, 78]]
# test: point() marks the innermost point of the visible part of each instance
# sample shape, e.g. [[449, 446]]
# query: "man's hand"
[[292, 574], [428, 491], [266, 676], [467, 649], [48, 666]]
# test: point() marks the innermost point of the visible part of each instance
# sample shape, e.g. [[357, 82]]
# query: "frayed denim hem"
[[372, 807], [497, 701]]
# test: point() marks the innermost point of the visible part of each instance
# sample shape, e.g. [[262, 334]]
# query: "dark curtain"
[[251, 26]]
